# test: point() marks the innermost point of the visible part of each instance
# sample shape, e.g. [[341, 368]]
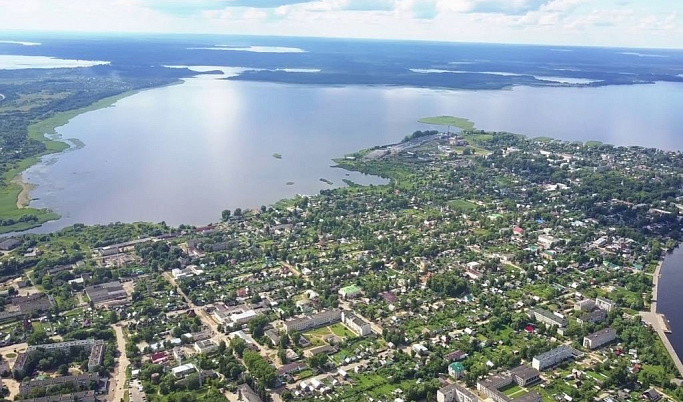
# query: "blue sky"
[[631, 23]]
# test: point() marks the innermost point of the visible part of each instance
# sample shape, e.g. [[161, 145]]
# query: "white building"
[[605, 304], [420, 349], [206, 346], [356, 324], [554, 357], [548, 318], [313, 321], [184, 370], [233, 316], [455, 393], [600, 338], [546, 241]]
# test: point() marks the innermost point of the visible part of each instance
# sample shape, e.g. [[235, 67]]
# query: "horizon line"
[[340, 38]]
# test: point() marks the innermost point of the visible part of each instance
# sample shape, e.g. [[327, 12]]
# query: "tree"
[[225, 214], [257, 325], [238, 211], [238, 345], [318, 361]]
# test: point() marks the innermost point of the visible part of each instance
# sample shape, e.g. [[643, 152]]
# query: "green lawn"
[[596, 376], [462, 205], [459, 122], [511, 389], [341, 331]]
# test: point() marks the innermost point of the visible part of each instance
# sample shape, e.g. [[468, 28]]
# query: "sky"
[[623, 23]]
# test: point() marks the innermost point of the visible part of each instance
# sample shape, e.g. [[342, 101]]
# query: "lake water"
[[184, 153], [669, 297]]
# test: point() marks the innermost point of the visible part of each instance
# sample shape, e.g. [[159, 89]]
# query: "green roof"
[[457, 367]]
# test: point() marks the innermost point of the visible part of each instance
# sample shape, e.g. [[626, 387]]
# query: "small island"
[[290, 183], [326, 181], [451, 121], [277, 156]]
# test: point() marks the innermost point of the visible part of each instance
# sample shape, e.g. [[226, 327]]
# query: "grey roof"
[[525, 372], [601, 333]]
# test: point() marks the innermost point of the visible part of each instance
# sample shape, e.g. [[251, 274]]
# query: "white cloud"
[[570, 22]]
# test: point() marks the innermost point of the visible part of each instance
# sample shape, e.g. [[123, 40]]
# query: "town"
[[492, 267]]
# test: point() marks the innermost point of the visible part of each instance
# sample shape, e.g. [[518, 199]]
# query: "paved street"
[[118, 384]]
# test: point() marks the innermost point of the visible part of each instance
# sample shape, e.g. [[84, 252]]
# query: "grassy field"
[[462, 205], [9, 193], [513, 390], [459, 122]]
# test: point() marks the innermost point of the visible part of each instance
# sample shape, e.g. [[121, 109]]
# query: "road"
[[118, 384], [656, 320], [201, 313]]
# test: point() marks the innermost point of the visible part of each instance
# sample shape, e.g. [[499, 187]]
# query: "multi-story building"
[[604, 304], [96, 355], [96, 348], [525, 375], [78, 381], [595, 316], [584, 305], [554, 356], [207, 346], [313, 321], [234, 316], [356, 324], [547, 318], [600, 338], [107, 293], [455, 393], [34, 303], [491, 387], [546, 241]]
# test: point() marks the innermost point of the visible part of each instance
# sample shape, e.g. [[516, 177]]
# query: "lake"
[[184, 153]]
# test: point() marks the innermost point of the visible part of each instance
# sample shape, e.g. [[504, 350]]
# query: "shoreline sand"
[[24, 197]]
